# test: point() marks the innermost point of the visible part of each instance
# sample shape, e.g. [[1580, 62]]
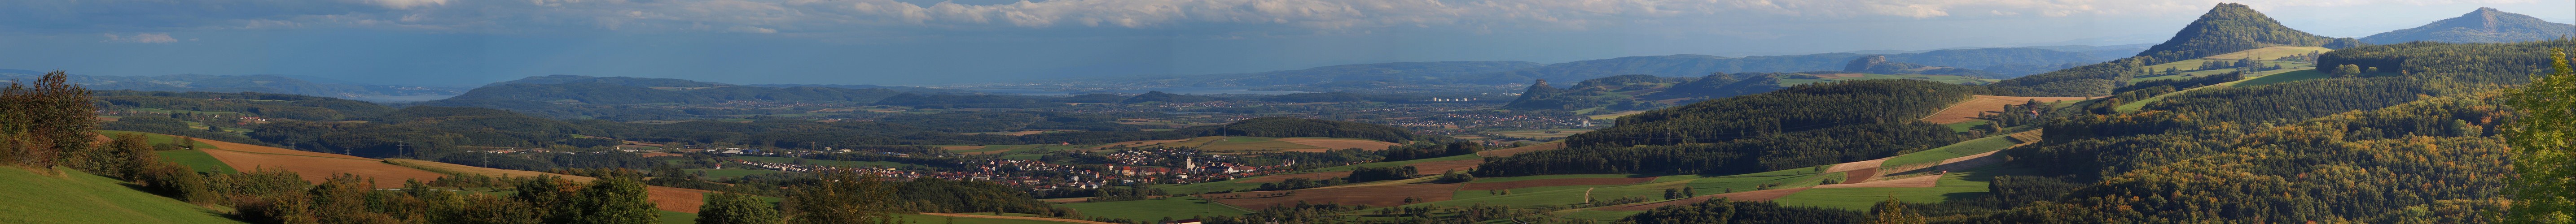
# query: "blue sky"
[[469, 42]]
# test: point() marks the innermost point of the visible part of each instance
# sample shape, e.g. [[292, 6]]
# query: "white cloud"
[[140, 38], [749, 29], [407, 4], [1272, 16]]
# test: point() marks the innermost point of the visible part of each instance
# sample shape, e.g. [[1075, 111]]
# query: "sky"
[[924, 42]]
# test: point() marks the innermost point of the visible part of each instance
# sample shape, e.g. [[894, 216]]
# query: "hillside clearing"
[[1968, 111]]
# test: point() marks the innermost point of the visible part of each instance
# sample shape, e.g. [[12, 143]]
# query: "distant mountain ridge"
[[2486, 25], [235, 83], [1391, 71], [1691, 65]]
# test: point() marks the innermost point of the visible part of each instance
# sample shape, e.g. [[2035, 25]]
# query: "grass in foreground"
[[83, 198]]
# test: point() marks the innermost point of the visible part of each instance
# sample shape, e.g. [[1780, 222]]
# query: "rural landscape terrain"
[[2235, 118]]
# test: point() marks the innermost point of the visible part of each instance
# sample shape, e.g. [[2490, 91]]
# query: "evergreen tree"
[[2547, 158], [729, 208]]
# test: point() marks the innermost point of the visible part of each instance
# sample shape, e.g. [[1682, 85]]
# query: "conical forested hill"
[[2486, 25], [2232, 27], [2229, 27]]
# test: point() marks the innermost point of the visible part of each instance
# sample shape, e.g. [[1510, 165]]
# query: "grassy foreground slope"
[[78, 197]]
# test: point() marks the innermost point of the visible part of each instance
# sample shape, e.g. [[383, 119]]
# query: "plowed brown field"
[[1553, 182], [676, 199], [313, 166], [1441, 167]]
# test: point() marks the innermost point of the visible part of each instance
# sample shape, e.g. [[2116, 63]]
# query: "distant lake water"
[[1176, 90], [393, 99]]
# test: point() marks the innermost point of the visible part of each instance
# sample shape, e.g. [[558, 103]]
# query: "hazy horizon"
[[466, 42]]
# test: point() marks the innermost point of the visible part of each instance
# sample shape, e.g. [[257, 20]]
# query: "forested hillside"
[[2396, 146], [2229, 27], [1800, 126]]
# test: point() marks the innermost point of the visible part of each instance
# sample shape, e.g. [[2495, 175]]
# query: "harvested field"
[[1761, 195], [961, 147], [1370, 145], [313, 166], [1017, 217], [1522, 149], [1851, 166], [434, 166], [1968, 111], [1859, 176], [1553, 182], [1021, 133], [1284, 177], [676, 199], [653, 154], [1381, 196], [1442, 167], [1922, 181]]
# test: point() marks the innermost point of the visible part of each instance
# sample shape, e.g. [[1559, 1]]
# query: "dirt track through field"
[[1017, 217], [1963, 163], [1855, 166], [1967, 111], [1922, 181], [1337, 144], [1522, 149], [1379, 196], [1553, 182], [1761, 195], [1308, 176]]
